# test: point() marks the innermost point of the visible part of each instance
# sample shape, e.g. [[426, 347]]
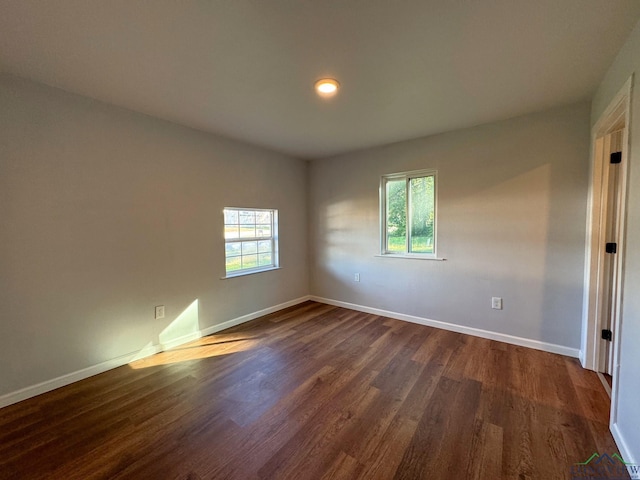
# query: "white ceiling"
[[246, 68]]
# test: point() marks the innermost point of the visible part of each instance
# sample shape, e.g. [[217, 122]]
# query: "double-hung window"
[[408, 214], [250, 240]]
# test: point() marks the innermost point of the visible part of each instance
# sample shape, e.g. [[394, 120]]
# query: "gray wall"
[[106, 213], [626, 64], [511, 223]]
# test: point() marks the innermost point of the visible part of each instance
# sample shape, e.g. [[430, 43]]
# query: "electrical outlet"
[[159, 312], [356, 277], [496, 303]]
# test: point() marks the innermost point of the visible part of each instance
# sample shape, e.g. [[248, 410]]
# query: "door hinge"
[[611, 248], [615, 157], [607, 335]]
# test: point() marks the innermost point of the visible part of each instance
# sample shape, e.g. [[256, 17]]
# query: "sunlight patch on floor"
[[206, 347]]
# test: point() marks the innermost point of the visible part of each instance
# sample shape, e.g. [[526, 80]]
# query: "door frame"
[[617, 112]]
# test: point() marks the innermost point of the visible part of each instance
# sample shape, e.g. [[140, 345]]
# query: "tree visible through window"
[[250, 237], [408, 212]]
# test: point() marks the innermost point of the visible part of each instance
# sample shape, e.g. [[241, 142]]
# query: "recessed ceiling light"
[[327, 87]]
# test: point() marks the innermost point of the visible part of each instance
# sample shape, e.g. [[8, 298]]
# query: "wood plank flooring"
[[317, 392]]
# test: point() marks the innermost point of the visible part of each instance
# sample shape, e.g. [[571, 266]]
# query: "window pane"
[[264, 246], [249, 261], [247, 232], [230, 216], [264, 259], [249, 247], [231, 232], [263, 230], [248, 226], [263, 217], [233, 264], [396, 215], [247, 217], [422, 214], [232, 249]]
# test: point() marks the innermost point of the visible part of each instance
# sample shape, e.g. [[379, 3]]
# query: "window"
[[250, 240], [408, 214]]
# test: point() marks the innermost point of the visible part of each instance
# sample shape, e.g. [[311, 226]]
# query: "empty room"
[[295, 239]]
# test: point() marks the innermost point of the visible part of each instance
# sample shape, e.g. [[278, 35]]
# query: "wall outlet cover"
[[496, 303]]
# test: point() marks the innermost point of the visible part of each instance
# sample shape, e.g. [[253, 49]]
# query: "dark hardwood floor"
[[317, 392]]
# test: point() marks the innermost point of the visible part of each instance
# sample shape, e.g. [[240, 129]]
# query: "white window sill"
[[248, 272], [411, 256]]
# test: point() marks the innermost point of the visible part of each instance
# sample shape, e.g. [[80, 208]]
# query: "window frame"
[[273, 238], [407, 177]]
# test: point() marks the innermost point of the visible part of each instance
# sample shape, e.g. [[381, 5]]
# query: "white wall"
[[106, 213], [511, 223], [627, 430]]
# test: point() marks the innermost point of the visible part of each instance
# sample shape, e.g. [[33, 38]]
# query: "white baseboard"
[[582, 358], [48, 385], [253, 316], [622, 445], [476, 332], [175, 342], [604, 383]]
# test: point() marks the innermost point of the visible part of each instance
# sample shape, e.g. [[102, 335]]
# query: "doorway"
[[610, 225], [605, 242]]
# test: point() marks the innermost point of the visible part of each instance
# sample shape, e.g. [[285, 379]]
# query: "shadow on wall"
[[340, 246], [515, 233]]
